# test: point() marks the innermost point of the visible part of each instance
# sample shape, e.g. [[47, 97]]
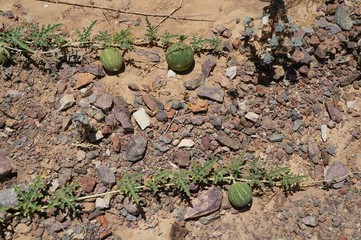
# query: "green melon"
[[240, 194], [179, 56], [111, 59]]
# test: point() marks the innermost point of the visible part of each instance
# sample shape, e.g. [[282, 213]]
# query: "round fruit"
[[111, 59], [240, 194], [179, 56]]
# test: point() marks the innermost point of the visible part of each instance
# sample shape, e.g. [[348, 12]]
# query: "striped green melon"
[[240, 194], [111, 59], [179, 56]]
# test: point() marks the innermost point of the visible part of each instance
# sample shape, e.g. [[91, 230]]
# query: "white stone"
[[265, 20], [142, 118], [231, 72], [102, 203], [171, 74], [350, 104], [324, 132], [186, 143], [252, 116]]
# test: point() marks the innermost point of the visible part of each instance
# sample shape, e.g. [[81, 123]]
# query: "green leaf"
[[64, 197], [84, 36], [200, 173], [181, 181], [129, 185], [30, 201], [152, 31]]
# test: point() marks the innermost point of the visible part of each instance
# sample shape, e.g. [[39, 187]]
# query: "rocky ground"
[[310, 122]]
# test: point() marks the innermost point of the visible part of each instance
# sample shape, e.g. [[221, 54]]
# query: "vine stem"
[[231, 178]]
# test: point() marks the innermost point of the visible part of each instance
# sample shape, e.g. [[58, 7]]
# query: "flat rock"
[[225, 140], [83, 79], [310, 221], [142, 118], [209, 201], [122, 114], [276, 137], [150, 101], [208, 67], [8, 198], [334, 113], [87, 184], [324, 132], [66, 102], [182, 157], [104, 102], [6, 166], [186, 143], [177, 232], [342, 17], [212, 93], [194, 83], [253, 117], [314, 152], [136, 148], [199, 105], [337, 174], [106, 175]]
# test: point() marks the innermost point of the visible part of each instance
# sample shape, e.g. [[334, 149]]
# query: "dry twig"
[[188, 18]]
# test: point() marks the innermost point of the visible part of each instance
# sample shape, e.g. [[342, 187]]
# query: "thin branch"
[[188, 17], [175, 10]]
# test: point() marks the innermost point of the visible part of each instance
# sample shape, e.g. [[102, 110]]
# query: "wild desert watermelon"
[[179, 56], [240, 194], [111, 59]]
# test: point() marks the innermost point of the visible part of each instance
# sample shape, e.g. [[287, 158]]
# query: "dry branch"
[[188, 17]]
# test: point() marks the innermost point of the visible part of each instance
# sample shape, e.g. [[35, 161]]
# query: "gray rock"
[[310, 221], [106, 175], [334, 113], [207, 202], [8, 198], [6, 166], [136, 148], [52, 226], [161, 116], [276, 138], [194, 83], [297, 124], [182, 157], [131, 207], [177, 232], [122, 114], [252, 116], [208, 67], [212, 93], [142, 118], [288, 148], [225, 140], [66, 102], [342, 17], [104, 102], [210, 218], [314, 152], [216, 121], [231, 72], [337, 174]]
